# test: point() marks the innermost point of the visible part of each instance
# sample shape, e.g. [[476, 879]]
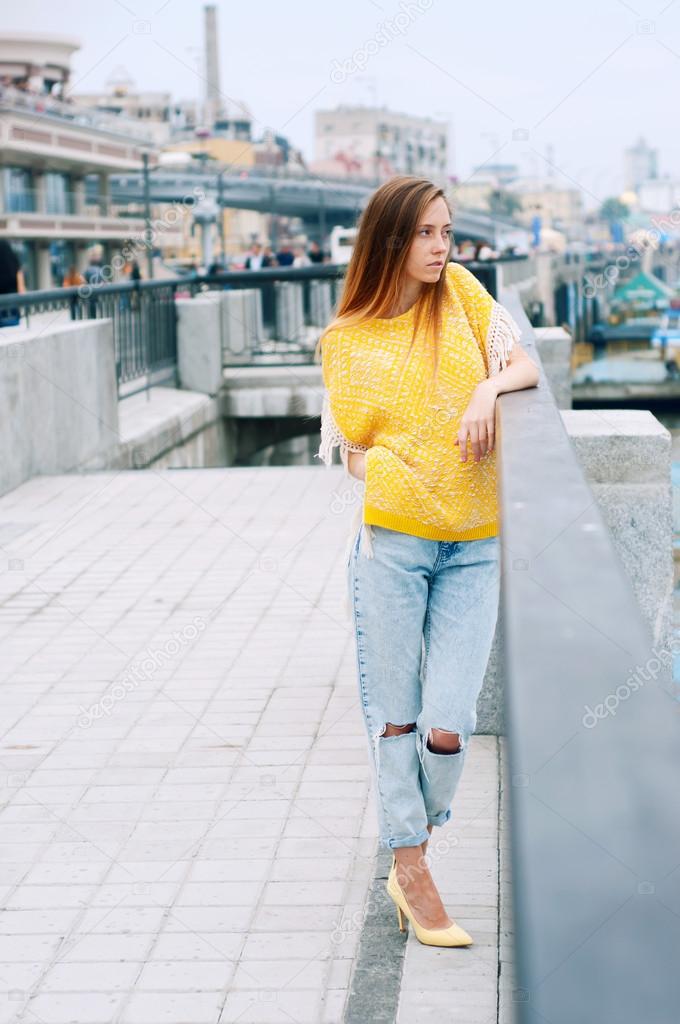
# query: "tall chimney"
[[212, 66]]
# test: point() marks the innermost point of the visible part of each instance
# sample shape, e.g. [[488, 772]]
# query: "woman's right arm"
[[345, 416]]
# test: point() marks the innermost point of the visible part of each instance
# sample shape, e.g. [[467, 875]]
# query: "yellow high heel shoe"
[[454, 935]]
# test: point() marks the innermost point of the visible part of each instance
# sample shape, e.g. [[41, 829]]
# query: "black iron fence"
[[291, 322], [144, 314], [266, 278]]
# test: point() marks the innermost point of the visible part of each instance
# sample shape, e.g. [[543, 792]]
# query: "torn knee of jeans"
[[385, 731], [397, 730], [443, 741]]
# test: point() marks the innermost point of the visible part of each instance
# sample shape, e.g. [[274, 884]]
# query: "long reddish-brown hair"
[[376, 270]]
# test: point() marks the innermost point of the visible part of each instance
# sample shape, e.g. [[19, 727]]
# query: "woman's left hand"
[[479, 422]]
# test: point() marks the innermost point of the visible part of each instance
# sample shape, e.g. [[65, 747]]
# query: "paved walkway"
[[461, 986], [187, 824]]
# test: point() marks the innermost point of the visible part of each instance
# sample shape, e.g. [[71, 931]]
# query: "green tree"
[[503, 203], [613, 209]]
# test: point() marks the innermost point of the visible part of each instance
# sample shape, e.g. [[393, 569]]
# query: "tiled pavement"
[[186, 821], [461, 986]]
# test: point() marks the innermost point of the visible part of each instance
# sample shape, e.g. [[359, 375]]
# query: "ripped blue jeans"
[[425, 615]]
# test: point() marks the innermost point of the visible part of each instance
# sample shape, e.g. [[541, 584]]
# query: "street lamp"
[[148, 231], [220, 214]]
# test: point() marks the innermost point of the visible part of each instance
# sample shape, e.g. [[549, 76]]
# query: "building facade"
[[56, 157], [375, 143], [640, 164]]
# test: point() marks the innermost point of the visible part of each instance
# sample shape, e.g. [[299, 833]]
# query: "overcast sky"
[[584, 79]]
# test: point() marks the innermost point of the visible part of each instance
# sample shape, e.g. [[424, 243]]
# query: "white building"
[[375, 143], [157, 110], [659, 195], [640, 164], [55, 160], [558, 207], [165, 119]]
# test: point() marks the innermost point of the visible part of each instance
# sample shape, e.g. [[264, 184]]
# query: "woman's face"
[[429, 249]]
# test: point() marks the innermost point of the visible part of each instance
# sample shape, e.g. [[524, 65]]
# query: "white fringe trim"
[[332, 437], [503, 333]]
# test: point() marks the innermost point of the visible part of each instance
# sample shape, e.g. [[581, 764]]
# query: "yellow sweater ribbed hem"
[[404, 524]]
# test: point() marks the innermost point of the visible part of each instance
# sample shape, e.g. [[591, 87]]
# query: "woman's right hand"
[[356, 464]]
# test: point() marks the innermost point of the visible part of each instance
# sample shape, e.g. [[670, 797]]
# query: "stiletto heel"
[[453, 935]]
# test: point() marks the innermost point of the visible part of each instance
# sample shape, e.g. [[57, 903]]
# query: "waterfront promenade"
[[188, 833]]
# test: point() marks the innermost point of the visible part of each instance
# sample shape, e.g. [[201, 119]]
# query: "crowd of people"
[[259, 256], [468, 251]]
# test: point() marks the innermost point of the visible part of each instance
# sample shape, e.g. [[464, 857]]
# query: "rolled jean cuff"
[[416, 840], [439, 819]]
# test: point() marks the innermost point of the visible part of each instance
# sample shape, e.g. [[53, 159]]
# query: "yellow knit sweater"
[[416, 481]]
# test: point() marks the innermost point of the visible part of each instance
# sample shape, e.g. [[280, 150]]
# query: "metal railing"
[[72, 112], [63, 203], [145, 318], [144, 321], [290, 307]]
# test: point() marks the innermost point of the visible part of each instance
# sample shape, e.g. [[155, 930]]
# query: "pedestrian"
[[134, 275], [257, 258], [94, 271], [285, 256], [300, 257], [412, 364], [11, 282], [315, 253], [72, 277], [485, 252]]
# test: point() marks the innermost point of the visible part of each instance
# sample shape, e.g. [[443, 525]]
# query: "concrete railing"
[[591, 711], [225, 328], [59, 395], [216, 329]]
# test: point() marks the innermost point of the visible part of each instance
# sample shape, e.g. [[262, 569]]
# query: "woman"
[[412, 365], [11, 282]]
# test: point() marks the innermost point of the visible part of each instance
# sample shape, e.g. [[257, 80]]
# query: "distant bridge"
[[326, 202]]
